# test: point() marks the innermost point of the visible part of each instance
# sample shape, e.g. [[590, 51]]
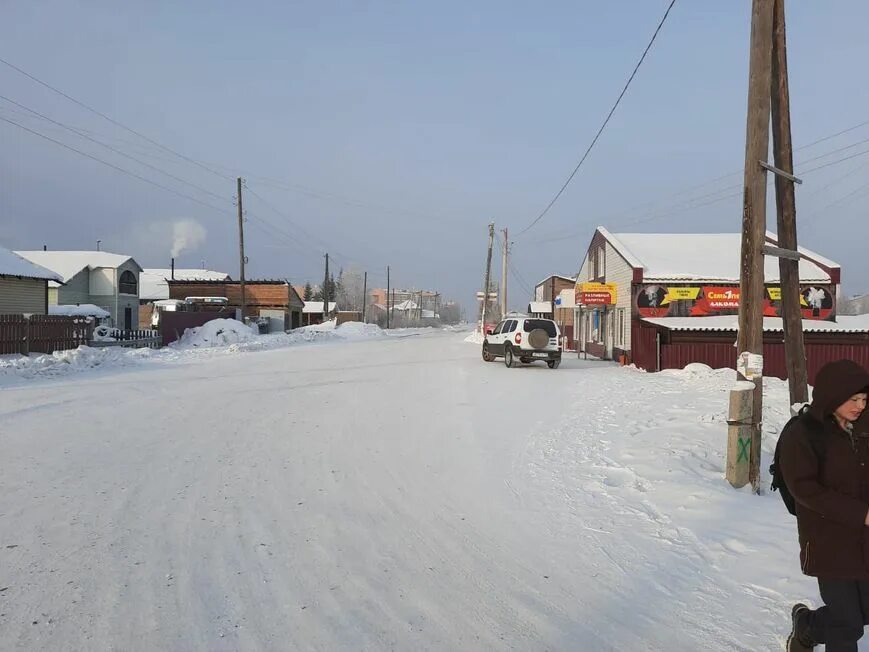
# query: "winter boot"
[[799, 639]]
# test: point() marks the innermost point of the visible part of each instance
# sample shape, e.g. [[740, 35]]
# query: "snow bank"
[[355, 330], [475, 338], [63, 362], [218, 332], [217, 337]]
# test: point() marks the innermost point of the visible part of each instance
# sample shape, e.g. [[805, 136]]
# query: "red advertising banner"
[[816, 302], [595, 298], [716, 300]]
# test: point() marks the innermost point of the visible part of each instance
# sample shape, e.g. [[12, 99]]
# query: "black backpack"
[[819, 446]]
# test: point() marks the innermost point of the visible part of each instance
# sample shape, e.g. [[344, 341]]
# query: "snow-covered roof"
[[69, 263], [572, 279], [12, 264], [540, 306], [81, 310], [153, 286], [405, 306], [315, 307], [843, 324], [710, 257]]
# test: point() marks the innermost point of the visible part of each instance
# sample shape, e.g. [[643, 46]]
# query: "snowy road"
[[394, 494]]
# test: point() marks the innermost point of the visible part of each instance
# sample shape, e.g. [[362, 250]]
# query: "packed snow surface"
[[382, 493]]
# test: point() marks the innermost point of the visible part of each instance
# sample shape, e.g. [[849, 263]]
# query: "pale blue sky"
[[396, 131]]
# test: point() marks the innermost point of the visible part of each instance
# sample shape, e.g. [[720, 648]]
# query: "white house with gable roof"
[[107, 280]]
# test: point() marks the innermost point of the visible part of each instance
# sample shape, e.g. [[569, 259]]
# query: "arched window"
[[128, 283]]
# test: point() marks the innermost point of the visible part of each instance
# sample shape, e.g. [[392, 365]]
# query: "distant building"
[[155, 282], [276, 300], [856, 305], [154, 286], [313, 312], [550, 301]]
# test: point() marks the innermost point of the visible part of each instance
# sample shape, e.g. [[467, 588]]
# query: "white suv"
[[523, 339]]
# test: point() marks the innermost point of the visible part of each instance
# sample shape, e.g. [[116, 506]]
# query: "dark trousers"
[[839, 623]]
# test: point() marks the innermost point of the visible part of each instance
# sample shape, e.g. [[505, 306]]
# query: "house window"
[[128, 284], [598, 267]]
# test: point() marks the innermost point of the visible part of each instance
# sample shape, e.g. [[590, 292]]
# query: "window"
[[510, 327], [498, 328], [545, 324], [128, 284]]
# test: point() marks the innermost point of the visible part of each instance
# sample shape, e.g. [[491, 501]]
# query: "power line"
[[605, 122], [113, 149], [114, 122], [111, 165], [733, 192], [835, 162], [690, 189]]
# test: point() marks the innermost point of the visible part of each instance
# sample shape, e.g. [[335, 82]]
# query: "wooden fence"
[[42, 333]]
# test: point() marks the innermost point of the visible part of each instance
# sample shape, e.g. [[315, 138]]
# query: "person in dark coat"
[[825, 465]]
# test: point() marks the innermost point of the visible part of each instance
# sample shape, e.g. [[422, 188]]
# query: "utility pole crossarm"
[[778, 252], [785, 175]]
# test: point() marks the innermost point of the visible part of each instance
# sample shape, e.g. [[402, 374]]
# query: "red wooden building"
[[663, 300]]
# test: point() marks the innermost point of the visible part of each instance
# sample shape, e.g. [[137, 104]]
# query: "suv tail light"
[[518, 338]]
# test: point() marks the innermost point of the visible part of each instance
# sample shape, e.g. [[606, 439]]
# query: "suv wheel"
[[553, 364], [509, 360], [487, 355]]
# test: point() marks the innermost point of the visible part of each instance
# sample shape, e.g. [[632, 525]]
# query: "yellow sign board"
[[680, 294], [775, 295], [605, 294]]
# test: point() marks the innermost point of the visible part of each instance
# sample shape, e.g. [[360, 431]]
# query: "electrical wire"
[[111, 165], [113, 121], [689, 203], [113, 149], [603, 126]]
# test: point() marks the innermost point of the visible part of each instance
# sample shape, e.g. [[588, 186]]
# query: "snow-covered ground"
[[381, 493]]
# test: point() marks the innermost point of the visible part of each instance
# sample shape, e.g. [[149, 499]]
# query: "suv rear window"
[[545, 324]]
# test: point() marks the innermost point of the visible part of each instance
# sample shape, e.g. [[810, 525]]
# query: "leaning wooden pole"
[[786, 213]]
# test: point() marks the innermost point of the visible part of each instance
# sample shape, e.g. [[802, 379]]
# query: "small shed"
[[313, 312]]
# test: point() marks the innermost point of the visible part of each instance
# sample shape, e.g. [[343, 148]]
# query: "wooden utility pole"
[[504, 275], [326, 290], [487, 278], [786, 218], [552, 297], [364, 294], [387, 296], [241, 258], [747, 436]]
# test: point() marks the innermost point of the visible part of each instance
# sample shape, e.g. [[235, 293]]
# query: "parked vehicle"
[[524, 339]]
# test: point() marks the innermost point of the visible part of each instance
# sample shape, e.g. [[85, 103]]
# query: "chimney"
[[173, 269]]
